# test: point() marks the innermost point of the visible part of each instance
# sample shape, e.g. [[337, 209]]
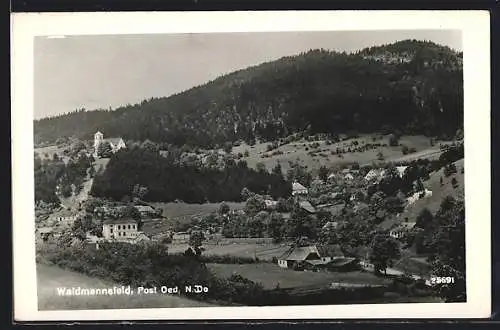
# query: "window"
[[128, 226], [119, 227], [111, 230]]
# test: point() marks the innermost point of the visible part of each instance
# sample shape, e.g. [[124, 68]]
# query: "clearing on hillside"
[[315, 154]]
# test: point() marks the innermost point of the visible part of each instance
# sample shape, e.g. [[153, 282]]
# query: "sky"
[[102, 72]]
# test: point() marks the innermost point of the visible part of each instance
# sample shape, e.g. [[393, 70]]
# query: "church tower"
[[98, 138]]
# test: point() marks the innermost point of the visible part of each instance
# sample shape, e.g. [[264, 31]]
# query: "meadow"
[[271, 276], [303, 152], [50, 277], [247, 250]]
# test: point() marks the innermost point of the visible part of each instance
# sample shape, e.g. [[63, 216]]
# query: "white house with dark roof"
[[115, 143], [298, 189]]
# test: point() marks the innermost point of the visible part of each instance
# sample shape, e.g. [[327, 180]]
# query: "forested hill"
[[411, 86]]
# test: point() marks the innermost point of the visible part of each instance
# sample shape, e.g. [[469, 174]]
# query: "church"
[[115, 143]]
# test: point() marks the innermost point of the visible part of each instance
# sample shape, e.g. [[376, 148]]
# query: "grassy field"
[[296, 151], [51, 277], [269, 275], [438, 194], [248, 250], [182, 210]]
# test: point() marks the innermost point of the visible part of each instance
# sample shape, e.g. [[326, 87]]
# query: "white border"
[[475, 30]]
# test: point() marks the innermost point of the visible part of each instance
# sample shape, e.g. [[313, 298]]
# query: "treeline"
[[315, 92], [167, 180]]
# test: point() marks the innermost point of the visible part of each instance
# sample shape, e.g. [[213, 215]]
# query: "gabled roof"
[[123, 221], [401, 170], [307, 206], [298, 186], [144, 208], [404, 226], [299, 253], [114, 141]]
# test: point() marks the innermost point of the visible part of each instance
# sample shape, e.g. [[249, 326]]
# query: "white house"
[[120, 229], [115, 143], [401, 230], [401, 170], [348, 177], [372, 175], [298, 189]]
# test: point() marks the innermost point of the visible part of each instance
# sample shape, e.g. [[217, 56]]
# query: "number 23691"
[[442, 280]]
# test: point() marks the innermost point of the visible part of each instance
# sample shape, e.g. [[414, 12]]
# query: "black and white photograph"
[[236, 169]]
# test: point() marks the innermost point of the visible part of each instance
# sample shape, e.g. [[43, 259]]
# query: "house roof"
[[114, 141], [299, 253], [122, 221], [332, 224], [307, 206], [404, 226], [144, 208], [298, 186], [401, 170]]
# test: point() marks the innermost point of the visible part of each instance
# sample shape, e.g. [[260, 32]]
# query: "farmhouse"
[[270, 204], [296, 256], [115, 143], [401, 230], [180, 237], [372, 175], [146, 211], [298, 189], [119, 229], [62, 216], [348, 176], [330, 225]]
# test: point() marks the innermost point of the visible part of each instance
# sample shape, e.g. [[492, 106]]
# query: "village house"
[[147, 211], [180, 237], [401, 230], [119, 229], [270, 204], [349, 177], [296, 256], [298, 189], [330, 225], [115, 143], [372, 175]]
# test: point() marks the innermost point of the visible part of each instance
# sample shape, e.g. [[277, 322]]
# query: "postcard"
[[251, 165]]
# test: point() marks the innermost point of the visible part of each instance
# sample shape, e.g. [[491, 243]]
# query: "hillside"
[[439, 192], [410, 86]]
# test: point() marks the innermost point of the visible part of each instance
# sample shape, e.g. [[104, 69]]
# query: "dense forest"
[[166, 180], [414, 87]]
